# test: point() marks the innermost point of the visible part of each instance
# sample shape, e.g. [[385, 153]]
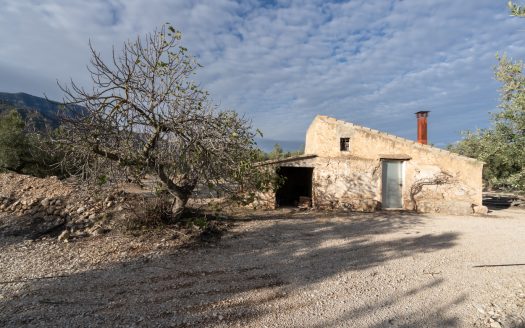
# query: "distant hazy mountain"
[[42, 112]]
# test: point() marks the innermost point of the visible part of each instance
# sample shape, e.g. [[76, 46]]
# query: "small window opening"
[[345, 144]]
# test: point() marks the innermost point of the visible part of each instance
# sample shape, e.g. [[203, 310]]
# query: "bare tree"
[[438, 179], [145, 113]]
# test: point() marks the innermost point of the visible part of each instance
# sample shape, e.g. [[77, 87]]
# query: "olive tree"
[[145, 113], [501, 146], [516, 10]]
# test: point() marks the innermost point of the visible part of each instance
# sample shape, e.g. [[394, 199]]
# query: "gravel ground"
[[278, 269]]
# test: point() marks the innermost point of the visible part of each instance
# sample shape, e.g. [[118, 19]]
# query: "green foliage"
[[200, 222], [278, 153], [502, 146], [294, 153], [25, 152], [13, 142], [102, 180], [516, 10]]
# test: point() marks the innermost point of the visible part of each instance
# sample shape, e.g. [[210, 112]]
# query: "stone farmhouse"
[[352, 167]]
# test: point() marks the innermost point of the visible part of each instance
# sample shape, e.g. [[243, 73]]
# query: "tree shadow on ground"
[[262, 263], [498, 202], [16, 228], [430, 317]]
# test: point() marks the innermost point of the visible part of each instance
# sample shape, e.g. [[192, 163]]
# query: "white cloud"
[[374, 63]]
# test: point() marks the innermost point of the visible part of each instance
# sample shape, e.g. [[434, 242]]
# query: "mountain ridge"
[[42, 112]]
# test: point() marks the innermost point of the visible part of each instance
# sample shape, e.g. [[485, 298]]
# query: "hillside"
[[42, 112]]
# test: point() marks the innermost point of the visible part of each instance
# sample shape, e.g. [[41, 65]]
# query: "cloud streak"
[[283, 62]]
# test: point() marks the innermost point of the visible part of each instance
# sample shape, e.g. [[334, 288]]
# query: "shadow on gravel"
[[14, 229], [434, 316], [233, 282]]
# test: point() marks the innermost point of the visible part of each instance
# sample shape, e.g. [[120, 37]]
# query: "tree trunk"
[[179, 204], [182, 193]]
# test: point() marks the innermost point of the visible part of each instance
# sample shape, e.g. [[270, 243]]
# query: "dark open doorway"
[[297, 184]]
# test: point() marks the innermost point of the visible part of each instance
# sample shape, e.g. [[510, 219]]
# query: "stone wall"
[[343, 183]]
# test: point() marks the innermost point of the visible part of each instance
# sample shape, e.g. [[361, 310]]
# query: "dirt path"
[[301, 270]]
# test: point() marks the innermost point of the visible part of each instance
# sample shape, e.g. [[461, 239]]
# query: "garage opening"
[[297, 187]]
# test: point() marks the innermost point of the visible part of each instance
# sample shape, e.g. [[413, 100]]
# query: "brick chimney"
[[422, 127]]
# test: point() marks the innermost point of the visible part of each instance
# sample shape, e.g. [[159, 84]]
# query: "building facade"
[[348, 166]]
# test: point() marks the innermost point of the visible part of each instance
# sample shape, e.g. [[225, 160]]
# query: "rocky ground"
[[270, 269], [36, 208]]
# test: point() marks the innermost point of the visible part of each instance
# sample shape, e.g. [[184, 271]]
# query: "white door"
[[392, 184]]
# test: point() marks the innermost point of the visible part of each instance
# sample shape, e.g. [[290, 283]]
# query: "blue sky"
[[374, 63]]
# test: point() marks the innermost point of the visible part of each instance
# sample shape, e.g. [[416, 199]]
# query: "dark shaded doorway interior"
[[297, 183]]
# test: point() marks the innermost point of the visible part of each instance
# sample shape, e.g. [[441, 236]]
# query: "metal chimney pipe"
[[422, 137]]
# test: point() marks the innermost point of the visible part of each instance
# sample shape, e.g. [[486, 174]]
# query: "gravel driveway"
[[388, 269]]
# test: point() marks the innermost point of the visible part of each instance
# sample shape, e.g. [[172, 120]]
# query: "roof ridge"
[[390, 135], [287, 159]]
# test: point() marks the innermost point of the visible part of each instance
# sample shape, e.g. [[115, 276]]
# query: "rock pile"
[[35, 207]]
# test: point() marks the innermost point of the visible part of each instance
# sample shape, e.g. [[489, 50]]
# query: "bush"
[[26, 152], [148, 212], [13, 142]]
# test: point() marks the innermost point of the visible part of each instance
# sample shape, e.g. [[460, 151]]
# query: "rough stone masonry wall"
[[348, 184], [340, 183]]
